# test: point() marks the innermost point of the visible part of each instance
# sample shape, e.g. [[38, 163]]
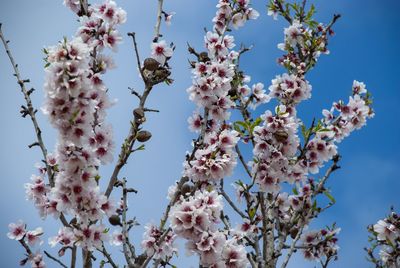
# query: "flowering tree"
[[276, 200]]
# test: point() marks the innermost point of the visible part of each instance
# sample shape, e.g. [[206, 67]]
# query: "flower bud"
[[151, 64], [143, 136], [115, 220]]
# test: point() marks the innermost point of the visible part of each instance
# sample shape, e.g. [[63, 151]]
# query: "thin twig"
[[133, 35], [292, 248], [21, 82], [108, 256], [32, 114], [159, 241], [241, 158], [73, 256], [26, 247], [158, 22], [127, 253], [55, 259], [230, 202], [151, 110]]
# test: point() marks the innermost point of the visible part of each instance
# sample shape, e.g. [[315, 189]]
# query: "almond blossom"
[[17, 230], [160, 51]]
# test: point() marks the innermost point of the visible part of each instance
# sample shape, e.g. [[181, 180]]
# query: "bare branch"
[[292, 248], [158, 22], [29, 107], [230, 202], [55, 259], [151, 110], [128, 254], [73, 256], [133, 35], [32, 114], [108, 256], [241, 158]]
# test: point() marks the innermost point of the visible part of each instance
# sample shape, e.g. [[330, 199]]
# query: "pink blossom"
[[17, 230], [161, 52]]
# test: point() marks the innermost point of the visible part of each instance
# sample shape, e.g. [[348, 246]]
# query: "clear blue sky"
[[365, 48]]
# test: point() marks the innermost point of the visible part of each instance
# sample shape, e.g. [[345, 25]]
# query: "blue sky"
[[365, 48]]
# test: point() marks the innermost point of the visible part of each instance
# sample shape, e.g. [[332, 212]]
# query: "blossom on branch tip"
[[161, 51], [17, 230]]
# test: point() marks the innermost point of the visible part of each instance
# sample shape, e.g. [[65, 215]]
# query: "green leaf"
[[294, 190], [256, 123], [330, 197], [140, 148], [252, 213], [314, 206]]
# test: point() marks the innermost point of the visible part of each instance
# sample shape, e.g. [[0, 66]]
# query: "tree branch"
[[158, 22], [230, 202], [55, 259], [32, 114]]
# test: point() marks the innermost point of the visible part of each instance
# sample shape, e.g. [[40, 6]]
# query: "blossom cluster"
[[39, 193], [386, 233], [214, 72], [159, 245], [276, 143], [236, 12], [216, 159], [76, 103], [320, 244], [18, 232], [290, 89], [195, 218], [352, 115], [303, 45]]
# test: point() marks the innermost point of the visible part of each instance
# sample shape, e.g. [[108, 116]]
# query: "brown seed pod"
[[281, 135], [143, 136], [151, 64], [186, 188], [293, 233], [115, 220], [203, 57]]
